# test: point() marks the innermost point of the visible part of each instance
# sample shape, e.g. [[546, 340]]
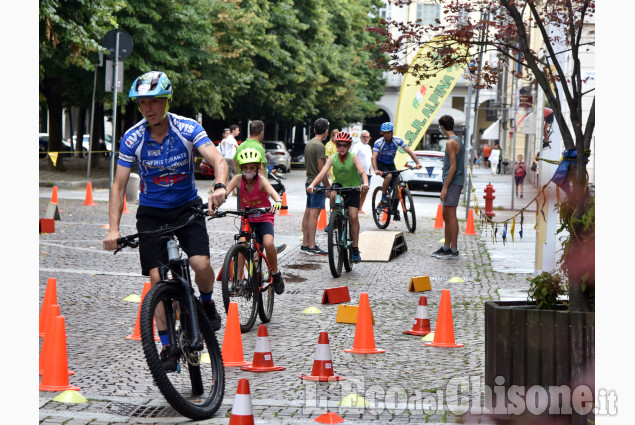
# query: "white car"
[[280, 152], [428, 177]]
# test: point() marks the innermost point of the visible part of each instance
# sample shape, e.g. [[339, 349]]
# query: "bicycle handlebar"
[[132, 241], [335, 189]]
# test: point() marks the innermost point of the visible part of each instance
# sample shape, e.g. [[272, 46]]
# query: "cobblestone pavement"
[[409, 383]]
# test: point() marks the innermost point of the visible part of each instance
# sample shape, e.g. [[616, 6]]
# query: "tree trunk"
[[53, 92], [98, 134]]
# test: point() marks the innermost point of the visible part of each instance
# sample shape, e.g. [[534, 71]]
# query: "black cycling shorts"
[[193, 238], [351, 198], [386, 167]]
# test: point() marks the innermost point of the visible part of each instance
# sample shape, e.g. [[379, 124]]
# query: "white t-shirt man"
[[229, 147], [365, 154]]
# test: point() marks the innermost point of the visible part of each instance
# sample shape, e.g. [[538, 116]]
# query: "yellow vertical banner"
[[420, 99]]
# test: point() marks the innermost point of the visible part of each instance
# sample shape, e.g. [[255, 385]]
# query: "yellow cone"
[[429, 337], [70, 397], [204, 358], [353, 400], [312, 310], [133, 298], [456, 279], [53, 156], [442, 240]]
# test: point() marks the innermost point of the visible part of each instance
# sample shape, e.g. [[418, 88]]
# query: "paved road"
[[420, 382]]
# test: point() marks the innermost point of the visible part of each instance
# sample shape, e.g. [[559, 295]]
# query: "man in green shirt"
[[314, 159], [256, 133]]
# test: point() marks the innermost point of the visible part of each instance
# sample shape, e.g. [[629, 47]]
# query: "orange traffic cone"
[[469, 228], [322, 364], [52, 311], [125, 206], [46, 344], [284, 204], [422, 319], [54, 196], [364, 342], [242, 413], [329, 418], [55, 376], [438, 222], [444, 331], [50, 298], [232, 340], [136, 334], [89, 195], [263, 360], [321, 224]]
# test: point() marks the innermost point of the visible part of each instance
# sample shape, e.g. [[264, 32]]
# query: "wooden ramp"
[[381, 245]]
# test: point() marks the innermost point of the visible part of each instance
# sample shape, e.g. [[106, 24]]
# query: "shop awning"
[[491, 132]]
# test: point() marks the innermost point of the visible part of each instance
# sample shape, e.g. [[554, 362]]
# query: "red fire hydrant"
[[489, 200]]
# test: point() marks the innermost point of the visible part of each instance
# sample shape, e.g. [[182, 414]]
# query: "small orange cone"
[[242, 412], [89, 195], [136, 334], [444, 331], [284, 204], [321, 224], [50, 298], [263, 360], [469, 228], [322, 364], [54, 196], [422, 319], [44, 353], [55, 376], [125, 206], [232, 351], [329, 418], [438, 222], [364, 342]]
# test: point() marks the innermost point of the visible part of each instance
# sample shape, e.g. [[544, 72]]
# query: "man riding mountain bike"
[[162, 146], [384, 152]]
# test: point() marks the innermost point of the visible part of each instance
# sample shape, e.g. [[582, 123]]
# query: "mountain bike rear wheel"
[[336, 249], [381, 214], [266, 297], [408, 208], [195, 391], [239, 285]]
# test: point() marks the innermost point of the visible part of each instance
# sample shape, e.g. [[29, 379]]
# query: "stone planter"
[[540, 348]]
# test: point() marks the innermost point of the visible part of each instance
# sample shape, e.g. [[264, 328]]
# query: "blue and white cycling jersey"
[[388, 150], [166, 169]]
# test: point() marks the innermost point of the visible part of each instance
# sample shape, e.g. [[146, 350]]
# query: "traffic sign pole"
[[114, 110]]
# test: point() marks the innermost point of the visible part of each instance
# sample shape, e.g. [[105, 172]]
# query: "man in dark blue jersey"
[[162, 146]]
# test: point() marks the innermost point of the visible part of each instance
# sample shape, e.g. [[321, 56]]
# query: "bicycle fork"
[[196, 342]]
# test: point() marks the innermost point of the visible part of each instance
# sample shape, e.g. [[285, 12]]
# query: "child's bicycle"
[[246, 275], [340, 247], [397, 194], [195, 389]]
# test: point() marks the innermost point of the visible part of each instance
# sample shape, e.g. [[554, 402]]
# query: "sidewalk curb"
[[78, 184]]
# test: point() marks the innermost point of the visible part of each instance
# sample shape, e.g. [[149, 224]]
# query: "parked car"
[[428, 177], [280, 152], [44, 145]]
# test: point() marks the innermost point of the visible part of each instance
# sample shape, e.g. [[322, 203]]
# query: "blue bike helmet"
[[387, 126], [151, 84]]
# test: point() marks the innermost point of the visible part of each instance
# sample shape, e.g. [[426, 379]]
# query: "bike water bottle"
[[173, 250]]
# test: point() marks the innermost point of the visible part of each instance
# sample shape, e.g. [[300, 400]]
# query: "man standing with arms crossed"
[[314, 159], [453, 181], [162, 146]]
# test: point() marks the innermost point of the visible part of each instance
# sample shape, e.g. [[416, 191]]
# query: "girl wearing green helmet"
[[254, 192]]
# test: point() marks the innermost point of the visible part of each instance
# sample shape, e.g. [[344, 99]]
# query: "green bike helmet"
[[248, 155]]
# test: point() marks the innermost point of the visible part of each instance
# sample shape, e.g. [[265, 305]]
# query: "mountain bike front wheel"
[[336, 248], [408, 208], [381, 214], [195, 389], [347, 244], [239, 285], [266, 297]]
